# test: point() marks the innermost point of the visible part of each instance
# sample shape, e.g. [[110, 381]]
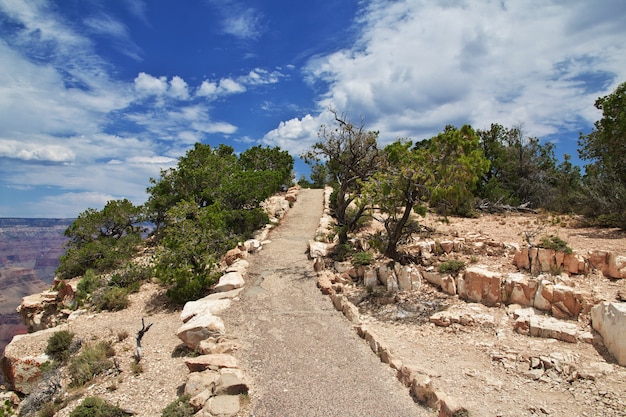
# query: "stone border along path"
[[303, 357]]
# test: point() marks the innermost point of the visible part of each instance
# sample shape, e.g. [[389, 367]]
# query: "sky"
[[98, 96]]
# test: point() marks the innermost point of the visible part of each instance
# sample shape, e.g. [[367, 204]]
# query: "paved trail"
[[302, 355]]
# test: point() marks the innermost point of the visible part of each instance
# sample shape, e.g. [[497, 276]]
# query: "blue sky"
[[96, 96]]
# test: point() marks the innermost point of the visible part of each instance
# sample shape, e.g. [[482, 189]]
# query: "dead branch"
[[144, 329]]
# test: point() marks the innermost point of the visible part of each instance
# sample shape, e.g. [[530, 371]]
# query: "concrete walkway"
[[302, 355]]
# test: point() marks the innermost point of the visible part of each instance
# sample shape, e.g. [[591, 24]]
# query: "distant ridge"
[[36, 222]]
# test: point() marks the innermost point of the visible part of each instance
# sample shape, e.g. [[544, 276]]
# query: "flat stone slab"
[[213, 361]]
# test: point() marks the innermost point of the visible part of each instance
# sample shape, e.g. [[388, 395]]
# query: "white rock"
[[230, 281], [200, 328], [203, 306], [317, 249], [609, 319]]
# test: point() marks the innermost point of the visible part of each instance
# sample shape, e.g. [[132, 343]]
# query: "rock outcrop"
[[609, 319]]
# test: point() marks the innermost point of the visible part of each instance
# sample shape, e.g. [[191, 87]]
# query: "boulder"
[[252, 245], [567, 302], [210, 346], [520, 289], [549, 327], [521, 259], [409, 277], [203, 306], [370, 278], [317, 249], [230, 383], [234, 254], [481, 286], [21, 373], [229, 281], [448, 285], [547, 259], [544, 295], [200, 328], [616, 267], [324, 282], [200, 381], [609, 320], [214, 362], [599, 259], [223, 405], [240, 265]]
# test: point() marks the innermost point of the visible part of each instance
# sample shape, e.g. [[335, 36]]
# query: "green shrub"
[[112, 299], [7, 409], [58, 347], [451, 267], [97, 407], [92, 361], [342, 252], [555, 243], [131, 277], [361, 259], [179, 408], [87, 285]]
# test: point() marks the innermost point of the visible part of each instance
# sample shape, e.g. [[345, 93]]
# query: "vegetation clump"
[[453, 266], [97, 407], [555, 243], [58, 347], [179, 408], [92, 361]]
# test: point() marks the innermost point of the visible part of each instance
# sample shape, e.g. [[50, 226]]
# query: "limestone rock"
[[549, 327], [370, 278], [324, 282], [200, 328], [223, 405], [230, 384], [240, 265], [609, 319], [21, 373], [521, 289], [465, 315], [317, 249], [213, 362], [203, 306], [230, 281], [616, 266], [481, 286], [233, 254], [200, 381]]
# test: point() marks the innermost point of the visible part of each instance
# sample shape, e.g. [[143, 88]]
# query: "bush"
[[96, 407], [179, 408], [92, 361], [131, 277], [342, 252], [112, 299], [87, 285], [361, 258], [451, 267], [58, 347], [555, 243]]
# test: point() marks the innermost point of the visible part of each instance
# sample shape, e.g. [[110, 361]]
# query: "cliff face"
[[29, 255]]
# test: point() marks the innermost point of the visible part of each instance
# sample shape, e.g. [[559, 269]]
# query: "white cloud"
[[230, 86], [178, 88], [207, 89], [419, 65], [295, 135], [148, 85], [35, 151]]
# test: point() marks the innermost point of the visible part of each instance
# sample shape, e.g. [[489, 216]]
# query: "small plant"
[[342, 252], [555, 243], [122, 335], [86, 286], [7, 409], [113, 299], [136, 368], [97, 407], [179, 408], [48, 410], [93, 360], [451, 267], [58, 347], [361, 258]]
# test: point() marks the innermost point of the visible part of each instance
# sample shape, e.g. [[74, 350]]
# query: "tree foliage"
[[101, 239], [351, 156], [525, 171], [458, 163], [400, 186], [604, 182]]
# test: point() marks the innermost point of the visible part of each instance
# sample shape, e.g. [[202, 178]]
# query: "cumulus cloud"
[[148, 85], [35, 152], [419, 65]]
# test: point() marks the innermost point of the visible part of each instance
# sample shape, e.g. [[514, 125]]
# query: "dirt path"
[[303, 357]]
